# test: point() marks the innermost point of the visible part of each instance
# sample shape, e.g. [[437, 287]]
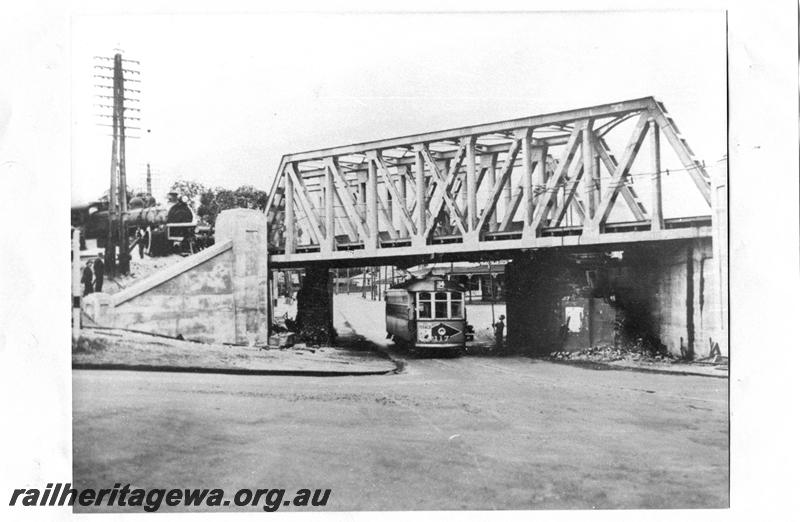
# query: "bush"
[[87, 345]]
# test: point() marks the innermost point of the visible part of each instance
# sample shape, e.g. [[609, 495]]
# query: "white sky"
[[226, 95]]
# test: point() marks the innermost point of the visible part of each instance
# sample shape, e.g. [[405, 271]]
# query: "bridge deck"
[[497, 247]]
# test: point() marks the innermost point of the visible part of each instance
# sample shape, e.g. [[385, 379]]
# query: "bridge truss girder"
[[504, 184]]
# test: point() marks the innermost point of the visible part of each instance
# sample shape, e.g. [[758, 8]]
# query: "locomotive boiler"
[[173, 227]]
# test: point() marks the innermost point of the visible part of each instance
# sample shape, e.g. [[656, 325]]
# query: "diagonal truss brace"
[[383, 213], [621, 171], [681, 148], [548, 198], [376, 157], [516, 199], [442, 191], [611, 165], [308, 209], [345, 200], [500, 182], [572, 180]]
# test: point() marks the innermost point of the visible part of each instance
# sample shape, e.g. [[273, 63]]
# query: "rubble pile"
[[609, 353], [290, 334]]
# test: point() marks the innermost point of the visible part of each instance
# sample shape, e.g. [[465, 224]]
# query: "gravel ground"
[[101, 348], [140, 268]]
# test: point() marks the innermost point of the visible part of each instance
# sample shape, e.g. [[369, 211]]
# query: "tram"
[[427, 313]]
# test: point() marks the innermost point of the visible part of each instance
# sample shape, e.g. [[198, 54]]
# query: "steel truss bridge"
[[541, 181]]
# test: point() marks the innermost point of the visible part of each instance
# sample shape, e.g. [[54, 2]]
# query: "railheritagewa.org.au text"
[[150, 500]]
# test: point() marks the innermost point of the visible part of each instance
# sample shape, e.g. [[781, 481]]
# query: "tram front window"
[[424, 306], [456, 306], [441, 305]]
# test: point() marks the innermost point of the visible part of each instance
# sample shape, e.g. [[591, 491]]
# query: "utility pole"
[[111, 249], [119, 106], [364, 283], [149, 182], [118, 188], [491, 290]]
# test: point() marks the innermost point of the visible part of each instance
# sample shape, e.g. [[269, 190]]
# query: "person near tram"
[[499, 332]]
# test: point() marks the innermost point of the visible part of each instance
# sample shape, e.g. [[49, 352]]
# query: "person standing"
[[86, 279], [99, 268], [141, 237], [499, 331]]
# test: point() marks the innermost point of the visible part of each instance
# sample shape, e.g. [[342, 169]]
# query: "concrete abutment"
[[656, 294], [218, 295]]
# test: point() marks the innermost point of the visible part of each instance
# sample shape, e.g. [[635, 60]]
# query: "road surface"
[[465, 433]]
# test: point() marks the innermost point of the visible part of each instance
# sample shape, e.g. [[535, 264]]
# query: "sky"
[[225, 96]]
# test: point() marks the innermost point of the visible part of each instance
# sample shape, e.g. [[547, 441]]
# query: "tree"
[[208, 208], [225, 199], [190, 189], [214, 201], [249, 197]]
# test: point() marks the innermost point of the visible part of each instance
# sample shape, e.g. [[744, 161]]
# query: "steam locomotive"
[[173, 227]]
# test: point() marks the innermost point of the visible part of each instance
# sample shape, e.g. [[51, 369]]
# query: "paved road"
[[467, 433]]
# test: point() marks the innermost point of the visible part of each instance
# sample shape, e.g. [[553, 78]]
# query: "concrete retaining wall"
[[217, 295], [197, 303]]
